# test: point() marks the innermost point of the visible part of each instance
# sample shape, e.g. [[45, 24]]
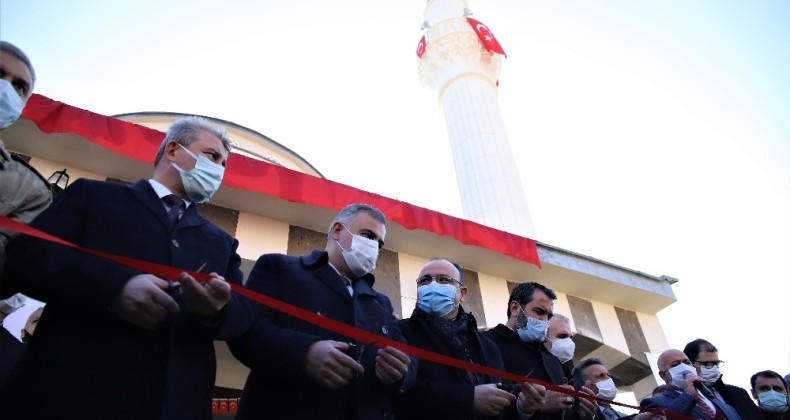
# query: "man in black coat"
[[117, 342], [770, 391], [439, 324], [302, 371], [10, 348], [705, 357], [530, 307]]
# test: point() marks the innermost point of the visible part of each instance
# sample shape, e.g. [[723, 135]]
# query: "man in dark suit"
[[705, 357], [686, 393], [439, 324], [520, 340], [594, 375], [116, 342], [302, 371]]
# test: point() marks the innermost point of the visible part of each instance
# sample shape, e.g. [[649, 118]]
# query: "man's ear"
[[514, 307], [663, 375], [170, 150], [337, 227]]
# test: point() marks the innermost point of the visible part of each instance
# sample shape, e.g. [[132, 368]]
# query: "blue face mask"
[[773, 401], [437, 299], [10, 104], [202, 181], [535, 330]]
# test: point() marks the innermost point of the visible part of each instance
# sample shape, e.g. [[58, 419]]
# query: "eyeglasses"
[[709, 365], [440, 278], [677, 362]]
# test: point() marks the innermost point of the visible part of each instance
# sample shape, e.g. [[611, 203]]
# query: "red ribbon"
[[172, 273]]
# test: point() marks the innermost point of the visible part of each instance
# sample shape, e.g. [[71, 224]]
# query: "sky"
[[652, 135]]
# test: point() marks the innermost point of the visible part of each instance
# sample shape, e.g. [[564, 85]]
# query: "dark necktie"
[[176, 206]]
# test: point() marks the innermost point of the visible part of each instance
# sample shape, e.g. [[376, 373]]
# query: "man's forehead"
[[596, 369], [366, 221], [765, 381], [16, 68], [439, 267], [672, 356], [706, 356]]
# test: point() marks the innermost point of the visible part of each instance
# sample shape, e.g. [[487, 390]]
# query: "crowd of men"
[[138, 346]]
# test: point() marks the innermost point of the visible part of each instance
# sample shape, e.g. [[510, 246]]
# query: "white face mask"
[[563, 348], [710, 375], [202, 181], [361, 257], [11, 104], [606, 389], [679, 373]]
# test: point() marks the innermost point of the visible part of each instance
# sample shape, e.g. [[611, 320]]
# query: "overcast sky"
[[652, 135]]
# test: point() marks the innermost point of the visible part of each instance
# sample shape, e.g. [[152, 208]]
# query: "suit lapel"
[[327, 275], [144, 192], [190, 218]]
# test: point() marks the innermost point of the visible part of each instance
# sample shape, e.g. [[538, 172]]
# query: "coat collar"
[[144, 192], [319, 257], [318, 262]]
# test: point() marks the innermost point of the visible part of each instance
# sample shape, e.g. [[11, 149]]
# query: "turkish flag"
[[486, 37], [421, 47]]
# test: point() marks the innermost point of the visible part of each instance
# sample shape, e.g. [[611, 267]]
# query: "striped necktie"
[[176, 207]]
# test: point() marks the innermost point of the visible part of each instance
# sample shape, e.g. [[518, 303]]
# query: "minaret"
[[458, 66]]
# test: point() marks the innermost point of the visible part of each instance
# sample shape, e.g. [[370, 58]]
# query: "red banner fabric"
[[245, 173], [486, 37]]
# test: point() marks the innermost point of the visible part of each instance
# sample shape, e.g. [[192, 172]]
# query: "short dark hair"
[[578, 370], [20, 55], [457, 267], [694, 348], [523, 293], [768, 374]]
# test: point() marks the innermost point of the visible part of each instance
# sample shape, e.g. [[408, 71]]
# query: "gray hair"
[[350, 212], [185, 132], [578, 370], [12, 49]]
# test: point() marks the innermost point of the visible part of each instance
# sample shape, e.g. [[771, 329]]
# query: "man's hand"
[[204, 300], [143, 302], [531, 397], [391, 365], [490, 400], [556, 401], [587, 408], [326, 363], [688, 384]]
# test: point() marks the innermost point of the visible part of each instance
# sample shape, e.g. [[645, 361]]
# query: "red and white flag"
[[486, 37], [421, 47]]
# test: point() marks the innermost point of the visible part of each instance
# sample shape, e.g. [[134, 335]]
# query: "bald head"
[[671, 358]]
